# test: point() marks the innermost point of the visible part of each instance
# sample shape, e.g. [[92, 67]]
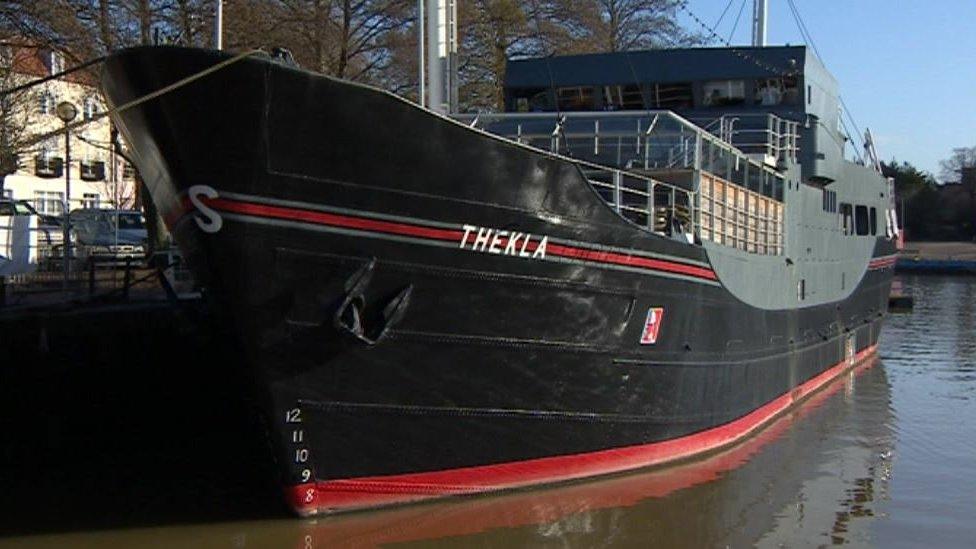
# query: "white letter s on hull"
[[207, 219]]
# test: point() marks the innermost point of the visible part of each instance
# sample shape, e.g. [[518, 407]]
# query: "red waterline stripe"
[[384, 490], [450, 235]]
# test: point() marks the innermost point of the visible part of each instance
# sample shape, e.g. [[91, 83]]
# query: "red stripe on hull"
[[335, 220], [882, 262], [449, 235], [601, 256], [522, 508], [362, 492]]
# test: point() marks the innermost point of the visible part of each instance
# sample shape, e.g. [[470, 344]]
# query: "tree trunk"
[[105, 26], [145, 22], [343, 60]]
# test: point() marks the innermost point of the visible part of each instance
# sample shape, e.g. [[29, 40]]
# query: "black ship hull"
[[434, 311]]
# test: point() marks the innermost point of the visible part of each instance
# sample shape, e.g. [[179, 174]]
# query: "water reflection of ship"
[[814, 479]]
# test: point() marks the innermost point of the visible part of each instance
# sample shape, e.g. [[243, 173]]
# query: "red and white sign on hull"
[[652, 325]]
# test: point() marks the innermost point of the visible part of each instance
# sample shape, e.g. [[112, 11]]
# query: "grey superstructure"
[[655, 131]]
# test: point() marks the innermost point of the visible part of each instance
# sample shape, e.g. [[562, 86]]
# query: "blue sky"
[[907, 69]]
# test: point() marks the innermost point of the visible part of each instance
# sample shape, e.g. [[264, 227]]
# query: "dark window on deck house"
[[847, 218], [861, 220], [623, 98], [829, 201], [531, 100], [874, 221], [670, 96], [575, 98], [722, 93]]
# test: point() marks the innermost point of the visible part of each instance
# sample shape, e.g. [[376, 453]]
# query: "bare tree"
[[952, 168], [624, 25], [352, 39], [493, 31], [961, 167], [16, 137]]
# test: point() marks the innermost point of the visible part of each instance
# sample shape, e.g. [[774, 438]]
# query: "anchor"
[[349, 317]]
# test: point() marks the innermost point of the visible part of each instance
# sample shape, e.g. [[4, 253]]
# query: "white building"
[[99, 177]]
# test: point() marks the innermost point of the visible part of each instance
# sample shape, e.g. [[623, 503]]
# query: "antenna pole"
[[759, 10], [421, 36], [435, 68], [442, 55], [219, 26]]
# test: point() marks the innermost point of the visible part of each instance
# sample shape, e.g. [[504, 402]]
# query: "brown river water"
[[884, 457]]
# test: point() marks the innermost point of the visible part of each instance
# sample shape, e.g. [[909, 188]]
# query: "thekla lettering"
[[502, 242]]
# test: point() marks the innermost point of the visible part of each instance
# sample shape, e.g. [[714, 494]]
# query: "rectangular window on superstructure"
[[847, 218], [720, 93], [576, 98], [861, 220], [769, 92], [670, 96], [622, 98], [829, 201], [531, 100], [873, 223]]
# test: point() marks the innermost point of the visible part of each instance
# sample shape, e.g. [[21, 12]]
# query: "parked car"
[[18, 237], [109, 237]]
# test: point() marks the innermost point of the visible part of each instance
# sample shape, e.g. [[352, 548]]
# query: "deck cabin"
[[755, 98], [739, 149]]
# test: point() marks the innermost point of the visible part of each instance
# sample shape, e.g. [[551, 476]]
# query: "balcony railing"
[[662, 172]]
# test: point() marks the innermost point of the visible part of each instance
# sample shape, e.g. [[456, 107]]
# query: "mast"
[[442, 55], [759, 9], [422, 77], [218, 26]]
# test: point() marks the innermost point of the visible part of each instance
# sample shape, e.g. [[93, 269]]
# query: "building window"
[[90, 108], [49, 202], [89, 200], [56, 62], [46, 103]]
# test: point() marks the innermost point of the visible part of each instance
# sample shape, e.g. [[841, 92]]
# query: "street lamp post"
[[67, 112]]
